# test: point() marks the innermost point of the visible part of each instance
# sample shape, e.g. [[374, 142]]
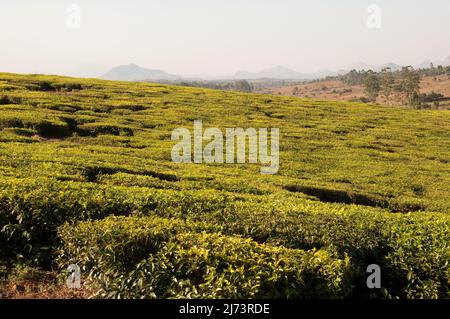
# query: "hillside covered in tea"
[[87, 178]]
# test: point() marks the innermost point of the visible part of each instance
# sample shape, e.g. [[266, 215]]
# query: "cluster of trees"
[[434, 71], [238, 85], [355, 77], [404, 83], [386, 83]]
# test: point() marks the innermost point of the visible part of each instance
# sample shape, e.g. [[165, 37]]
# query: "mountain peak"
[[276, 72], [359, 66], [280, 67], [133, 72]]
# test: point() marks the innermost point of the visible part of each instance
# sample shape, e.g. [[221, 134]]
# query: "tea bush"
[[158, 258], [118, 242], [29, 226]]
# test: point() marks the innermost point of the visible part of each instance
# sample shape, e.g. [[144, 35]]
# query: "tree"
[[243, 85], [409, 83], [372, 86], [387, 84], [353, 77]]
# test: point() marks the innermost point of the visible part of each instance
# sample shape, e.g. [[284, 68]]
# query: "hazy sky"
[[218, 36]]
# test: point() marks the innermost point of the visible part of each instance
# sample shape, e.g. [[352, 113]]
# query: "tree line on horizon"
[[404, 83], [225, 85], [393, 85]]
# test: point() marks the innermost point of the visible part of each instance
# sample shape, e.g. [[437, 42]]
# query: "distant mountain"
[[133, 72], [445, 62], [283, 73], [359, 66], [278, 72], [426, 64], [392, 66]]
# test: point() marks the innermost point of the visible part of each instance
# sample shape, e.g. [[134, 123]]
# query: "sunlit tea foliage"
[[87, 178]]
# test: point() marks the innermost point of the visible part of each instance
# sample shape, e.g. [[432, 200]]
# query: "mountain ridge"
[[134, 72]]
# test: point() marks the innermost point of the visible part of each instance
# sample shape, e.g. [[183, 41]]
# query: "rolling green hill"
[[87, 178]]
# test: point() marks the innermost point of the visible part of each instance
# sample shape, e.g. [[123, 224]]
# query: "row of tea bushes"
[[32, 209], [412, 249], [149, 257]]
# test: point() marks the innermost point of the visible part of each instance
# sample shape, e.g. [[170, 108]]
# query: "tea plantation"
[[87, 178]]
